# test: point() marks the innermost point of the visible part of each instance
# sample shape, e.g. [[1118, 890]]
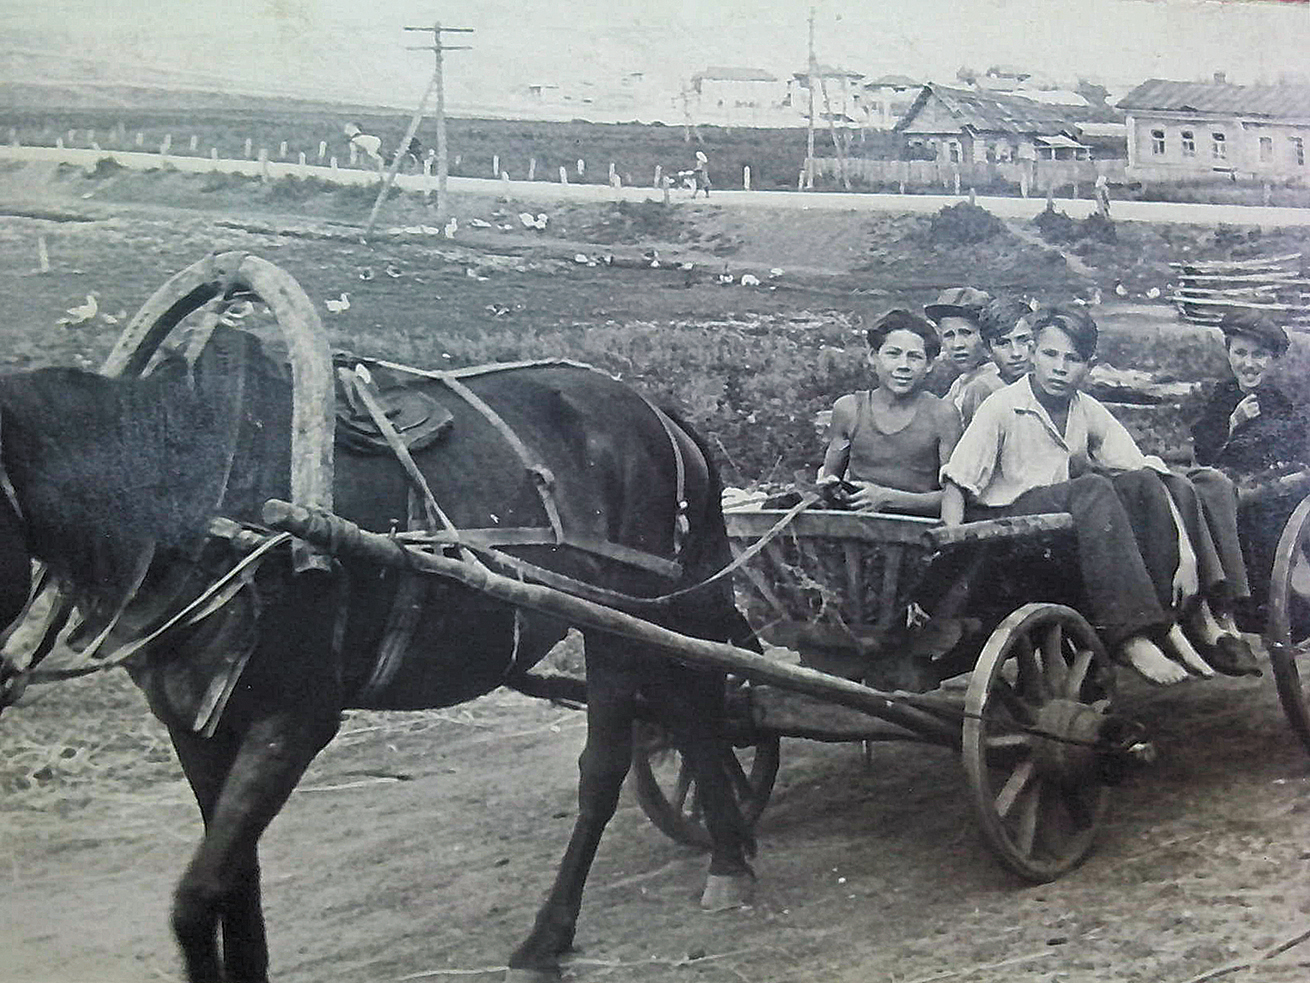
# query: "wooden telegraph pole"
[[437, 84], [809, 136]]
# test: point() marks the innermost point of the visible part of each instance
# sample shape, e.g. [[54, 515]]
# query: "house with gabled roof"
[[1199, 130], [967, 125], [888, 98], [727, 88]]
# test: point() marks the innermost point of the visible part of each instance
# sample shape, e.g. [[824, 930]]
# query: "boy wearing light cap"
[[957, 313]]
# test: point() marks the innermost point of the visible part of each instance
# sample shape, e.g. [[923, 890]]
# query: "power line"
[[438, 84]]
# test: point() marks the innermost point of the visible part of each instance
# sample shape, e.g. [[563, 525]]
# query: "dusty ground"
[[420, 844]]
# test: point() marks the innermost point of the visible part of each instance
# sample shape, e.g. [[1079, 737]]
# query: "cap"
[[1255, 325], [958, 302]]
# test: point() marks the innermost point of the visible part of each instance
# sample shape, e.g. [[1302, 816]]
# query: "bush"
[[964, 224], [1055, 226]]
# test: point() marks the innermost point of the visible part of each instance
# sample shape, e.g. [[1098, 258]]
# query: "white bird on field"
[[775, 273], [337, 305], [451, 227], [82, 312], [528, 221], [366, 274], [479, 223], [1153, 293], [750, 280], [1120, 289], [540, 221], [394, 271]]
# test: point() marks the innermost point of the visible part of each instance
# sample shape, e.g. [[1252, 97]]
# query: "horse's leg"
[[691, 701], [221, 884], [602, 767]]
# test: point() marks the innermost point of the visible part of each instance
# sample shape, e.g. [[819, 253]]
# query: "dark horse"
[[107, 474]]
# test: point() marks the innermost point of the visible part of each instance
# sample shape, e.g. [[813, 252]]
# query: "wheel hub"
[[1070, 741]]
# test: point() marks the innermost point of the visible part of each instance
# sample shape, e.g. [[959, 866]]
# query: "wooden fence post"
[[250, 145], [72, 137], [563, 174], [195, 142], [354, 153], [495, 165], [332, 163], [322, 150], [213, 153], [427, 176], [504, 183], [582, 167], [659, 171], [140, 139], [59, 143], [746, 177], [665, 183], [300, 159], [532, 168], [611, 177], [263, 164]]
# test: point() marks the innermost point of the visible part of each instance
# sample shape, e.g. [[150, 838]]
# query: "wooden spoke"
[[1073, 685], [1053, 657], [679, 797], [1008, 742], [1031, 682], [1029, 810], [1016, 704], [1019, 780], [741, 783]]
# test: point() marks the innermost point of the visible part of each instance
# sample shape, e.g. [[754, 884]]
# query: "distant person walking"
[[701, 174], [1102, 193]]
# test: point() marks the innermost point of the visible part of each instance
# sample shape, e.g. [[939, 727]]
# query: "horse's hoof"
[[724, 891], [524, 974]]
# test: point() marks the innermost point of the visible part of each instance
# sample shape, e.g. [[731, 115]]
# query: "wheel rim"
[[1286, 641], [667, 792], [1039, 798]]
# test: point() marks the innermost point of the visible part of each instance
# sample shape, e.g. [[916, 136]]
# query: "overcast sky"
[[355, 48]]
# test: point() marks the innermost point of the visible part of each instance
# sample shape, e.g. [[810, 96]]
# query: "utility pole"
[[438, 84], [809, 85]]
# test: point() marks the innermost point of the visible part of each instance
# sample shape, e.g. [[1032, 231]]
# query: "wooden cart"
[[1014, 680]]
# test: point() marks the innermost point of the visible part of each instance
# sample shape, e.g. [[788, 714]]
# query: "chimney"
[[1220, 78]]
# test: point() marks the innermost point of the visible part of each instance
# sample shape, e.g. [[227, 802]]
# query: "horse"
[[114, 484]]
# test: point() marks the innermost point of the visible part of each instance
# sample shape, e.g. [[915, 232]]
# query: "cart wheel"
[[667, 792], [1035, 710], [1286, 633]]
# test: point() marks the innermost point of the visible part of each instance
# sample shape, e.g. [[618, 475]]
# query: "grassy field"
[[751, 367]]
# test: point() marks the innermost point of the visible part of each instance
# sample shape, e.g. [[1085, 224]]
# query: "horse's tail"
[[706, 552]]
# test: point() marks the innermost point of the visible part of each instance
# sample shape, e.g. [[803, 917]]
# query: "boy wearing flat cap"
[[1249, 427], [957, 313]]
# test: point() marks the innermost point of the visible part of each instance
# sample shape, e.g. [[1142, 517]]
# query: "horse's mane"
[[107, 468]]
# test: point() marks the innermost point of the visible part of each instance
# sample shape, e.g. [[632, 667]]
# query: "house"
[[722, 88], [964, 125], [1193, 130], [888, 98], [837, 94]]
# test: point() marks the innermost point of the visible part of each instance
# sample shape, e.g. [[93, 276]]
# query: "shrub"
[[964, 224]]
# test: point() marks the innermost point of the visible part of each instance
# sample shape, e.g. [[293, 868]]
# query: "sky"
[[356, 50]]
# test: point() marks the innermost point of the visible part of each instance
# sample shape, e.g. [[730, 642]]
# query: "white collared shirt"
[[1012, 446]]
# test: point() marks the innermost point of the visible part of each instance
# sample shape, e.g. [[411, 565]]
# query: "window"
[[953, 149], [1298, 150], [1266, 149], [1219, 146], [1157, 141], [1189, 143]]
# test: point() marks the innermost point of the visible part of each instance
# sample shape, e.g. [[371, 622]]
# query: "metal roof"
[[1272, 101], [989, 113]]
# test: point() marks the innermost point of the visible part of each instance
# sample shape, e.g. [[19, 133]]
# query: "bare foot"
[[1156, 667], [1178, 647]]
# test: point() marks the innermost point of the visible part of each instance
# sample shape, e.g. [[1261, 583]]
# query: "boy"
[[957, 313], [1007, 332], [1032, 447]]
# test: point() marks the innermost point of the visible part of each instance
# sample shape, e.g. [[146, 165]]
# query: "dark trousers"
[[1122, 597]]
